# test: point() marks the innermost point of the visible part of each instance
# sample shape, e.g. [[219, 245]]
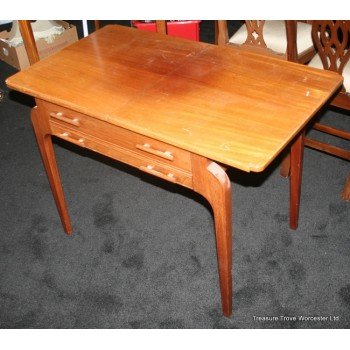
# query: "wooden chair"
[[332, 40], [29, 41], [26, 30], [269, 37]]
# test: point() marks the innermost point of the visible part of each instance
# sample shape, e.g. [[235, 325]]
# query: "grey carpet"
[[142, 253]]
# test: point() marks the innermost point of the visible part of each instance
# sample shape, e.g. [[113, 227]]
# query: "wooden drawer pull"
[[72, 138], [148, 148], [150, 169], [60, 116]]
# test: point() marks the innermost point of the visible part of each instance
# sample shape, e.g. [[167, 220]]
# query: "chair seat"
[[276, 38], [317, 63]]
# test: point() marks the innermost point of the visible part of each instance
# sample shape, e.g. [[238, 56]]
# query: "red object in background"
[[181, 29]]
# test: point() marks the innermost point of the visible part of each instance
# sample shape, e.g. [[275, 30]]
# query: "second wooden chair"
[[270, 37]]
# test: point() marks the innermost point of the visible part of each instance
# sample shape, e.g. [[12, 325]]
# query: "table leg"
[[296, 168], [43, 137], [211, 181]]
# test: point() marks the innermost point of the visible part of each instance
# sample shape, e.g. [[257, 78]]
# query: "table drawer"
[[121, 137], [145, 163]]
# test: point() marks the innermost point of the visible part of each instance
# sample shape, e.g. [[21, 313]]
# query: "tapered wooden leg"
[[43, 138], [346, 191], [296, 168], [285, 166], [211, 181]]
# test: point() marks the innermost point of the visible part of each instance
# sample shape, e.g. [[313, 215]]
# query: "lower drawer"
[[143, 163]]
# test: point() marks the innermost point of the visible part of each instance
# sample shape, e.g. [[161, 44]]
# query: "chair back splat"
[[289, 40]]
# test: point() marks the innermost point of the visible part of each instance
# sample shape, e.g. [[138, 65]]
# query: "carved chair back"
[[255, 33], [255, 39], [331, 39]]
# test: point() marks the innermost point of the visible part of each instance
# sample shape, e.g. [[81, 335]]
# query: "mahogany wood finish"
[[330, 130], [296, 157], [255, 40], [292, 55], [222, 37], [190, 91], [43, 136], [291, 31], [331, 39], [255, 36], [174, 108], [211, 181], [216, 33], [327, 148], [331, 46], [29, 41]]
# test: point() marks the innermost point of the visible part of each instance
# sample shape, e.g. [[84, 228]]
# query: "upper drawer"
[[119, 136]]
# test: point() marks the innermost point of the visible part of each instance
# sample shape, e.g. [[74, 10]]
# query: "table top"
[[232, 106]]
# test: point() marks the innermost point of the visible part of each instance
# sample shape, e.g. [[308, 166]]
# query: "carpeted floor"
[[142, 253]]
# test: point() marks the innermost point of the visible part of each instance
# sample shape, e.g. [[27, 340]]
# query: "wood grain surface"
[[232, 106]]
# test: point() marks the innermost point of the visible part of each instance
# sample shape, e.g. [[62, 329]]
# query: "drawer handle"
[[72, 138], [148, 148], [150, 169], [60, 116]]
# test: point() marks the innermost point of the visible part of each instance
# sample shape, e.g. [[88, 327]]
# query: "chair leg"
[[29, 41], [97, 24], [285, 167], [346, 191]]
